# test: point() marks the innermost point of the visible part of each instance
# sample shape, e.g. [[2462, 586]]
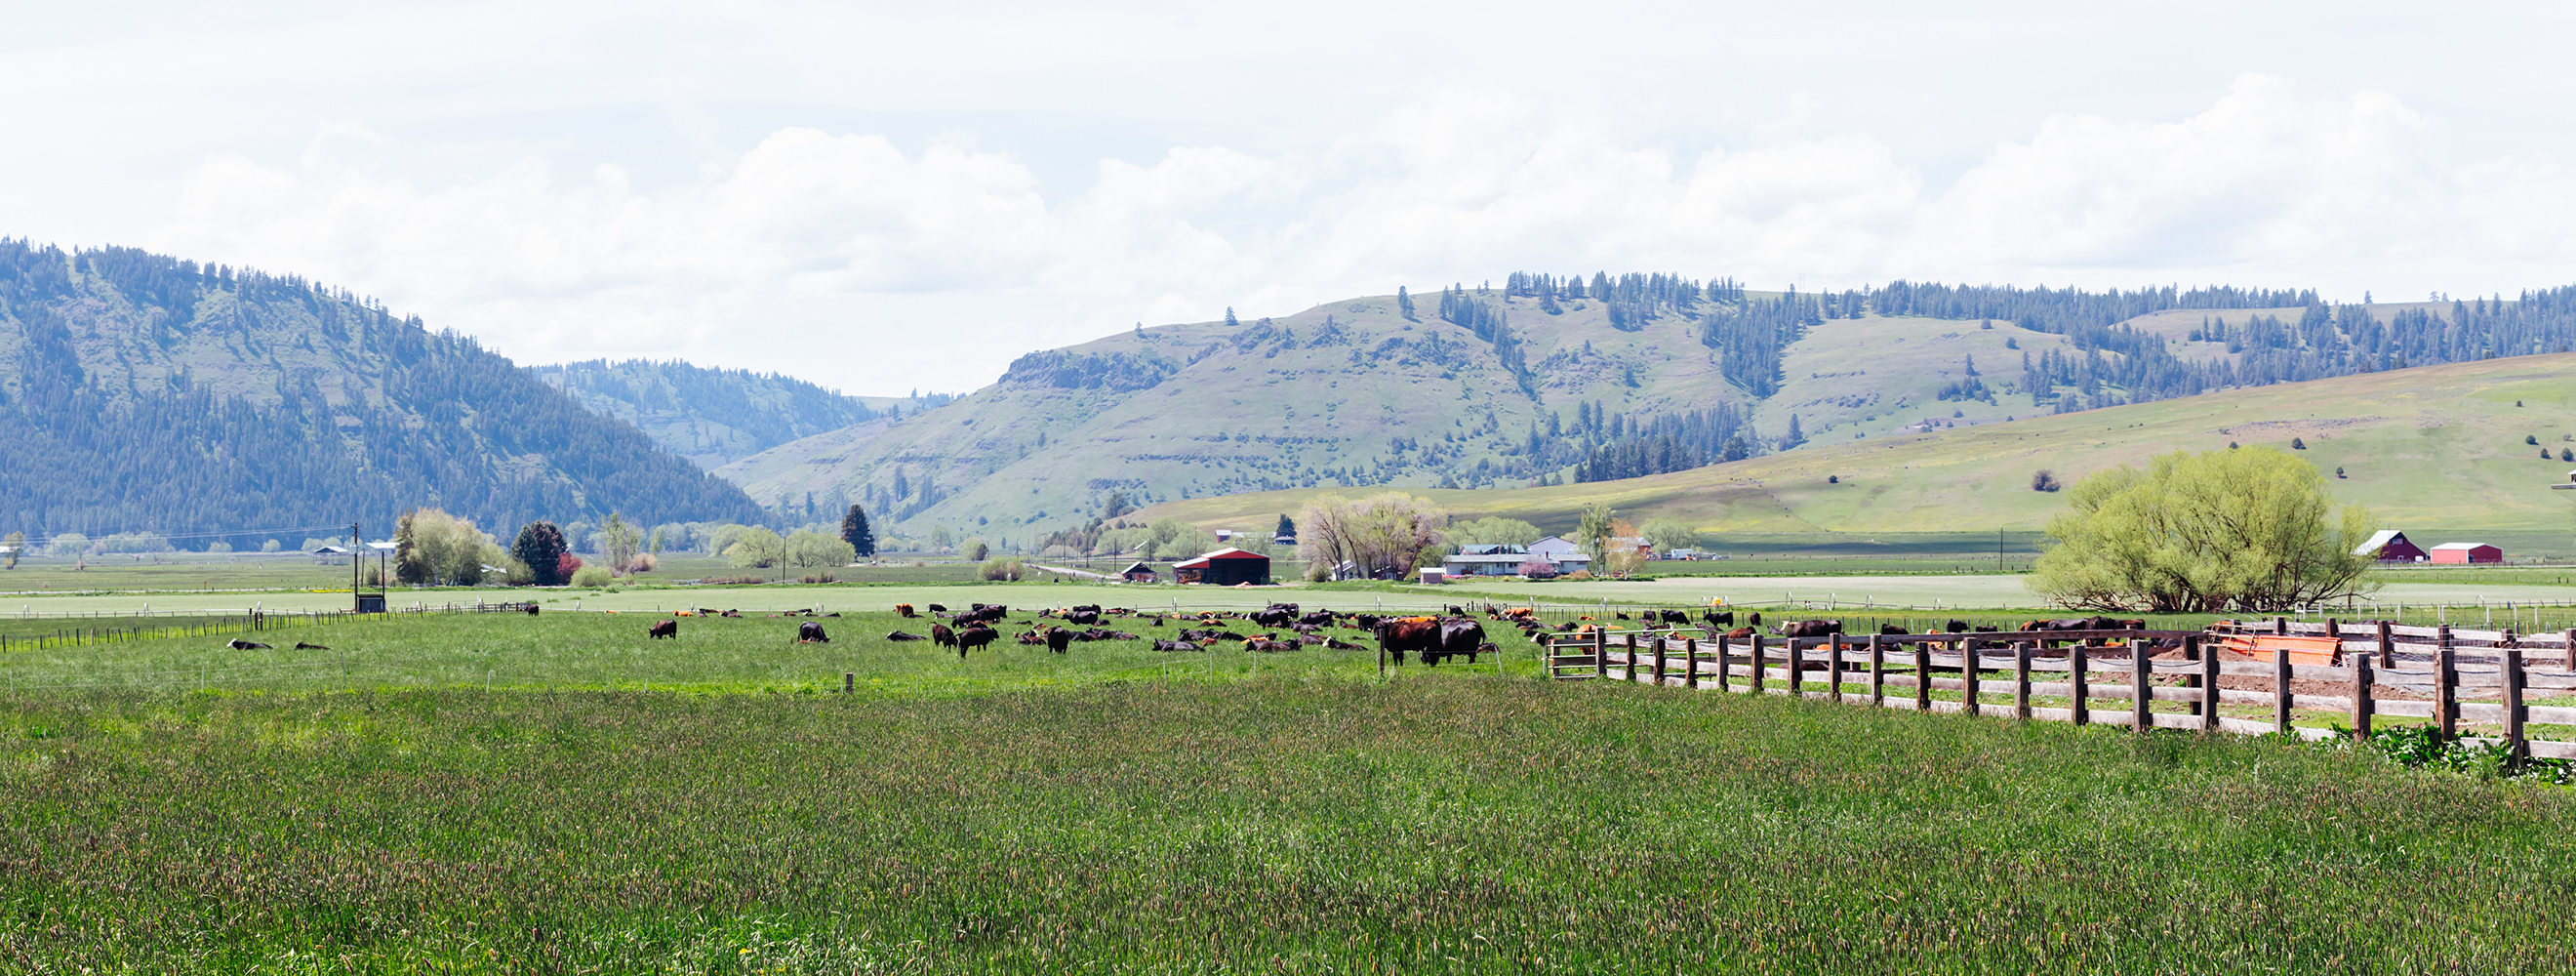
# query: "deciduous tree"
[[2251, 530]]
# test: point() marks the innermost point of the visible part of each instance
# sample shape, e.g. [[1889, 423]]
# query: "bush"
[[2045, 480], [1004, 570], [2249, 530], [821, 577], [590, 577]]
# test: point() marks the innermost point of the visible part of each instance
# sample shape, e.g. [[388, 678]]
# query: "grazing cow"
[[944, 637], [974, 637], [302, 646], [1401, 634], [810, 632], [239, 644], [1623, 615], [532, 609], [1754, 618], [936, 608], [1719, 621], [1674, 617], [905, 609], [897, 635], [666, 628], [1811, 628], [1459, 636], [1956, 627], [1058, 638]]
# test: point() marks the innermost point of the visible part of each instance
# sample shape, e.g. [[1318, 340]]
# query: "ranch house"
[[2465, 553], [1224, 567], [1140, 573]]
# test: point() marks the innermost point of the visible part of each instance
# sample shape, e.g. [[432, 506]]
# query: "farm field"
[[707, 805]]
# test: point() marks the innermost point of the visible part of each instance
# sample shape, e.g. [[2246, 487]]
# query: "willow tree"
[[2248, 530], [1384, 534]]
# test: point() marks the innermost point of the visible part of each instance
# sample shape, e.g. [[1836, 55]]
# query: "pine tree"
[[541, 547], [855, 531], [1794, 437], [1404, 303], [1287, 527], [1230, 320]]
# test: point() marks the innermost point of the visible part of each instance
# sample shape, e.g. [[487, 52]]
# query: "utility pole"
[[354, 559]]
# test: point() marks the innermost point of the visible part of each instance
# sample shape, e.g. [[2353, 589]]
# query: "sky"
[[886, 198]]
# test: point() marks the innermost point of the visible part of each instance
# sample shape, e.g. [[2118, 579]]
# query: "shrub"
[[821, 577], [2246, 530], [590, 577], [1004, 570], [2044, 480], [2298, 445]]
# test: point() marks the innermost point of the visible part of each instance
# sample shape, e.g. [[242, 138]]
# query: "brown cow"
[[944, 637], [667, 628], [1811, 628]]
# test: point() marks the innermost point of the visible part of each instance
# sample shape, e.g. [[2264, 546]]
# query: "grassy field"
[[2437, 451], [708, 806]]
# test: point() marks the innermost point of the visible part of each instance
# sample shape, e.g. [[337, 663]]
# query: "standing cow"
[[810, 632], [666, 628]]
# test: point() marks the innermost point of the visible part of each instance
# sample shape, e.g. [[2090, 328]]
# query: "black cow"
[[239, 644], [1173, 645], [897, 635], [1719, 621], [532, 609], [1674, 617], [1459, 635], [1890, 629], [1058, 638], [666, 628], [974, 637], [810, 632], [302, 646]]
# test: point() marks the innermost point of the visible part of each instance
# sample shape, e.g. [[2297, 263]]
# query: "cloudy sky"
[[884, 198]]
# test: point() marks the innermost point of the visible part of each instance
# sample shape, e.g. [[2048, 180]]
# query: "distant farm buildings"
[[1138, 572], [1550, 556], [2465, 553], [2390, 546]]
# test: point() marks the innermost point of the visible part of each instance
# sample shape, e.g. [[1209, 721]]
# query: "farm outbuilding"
[[2390, 546], [1224, 567], [1140, 573], [2465, 553]]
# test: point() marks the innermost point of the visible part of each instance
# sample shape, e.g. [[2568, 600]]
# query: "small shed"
[[1138, 572], [2390, 546], [1433, 577], [2465, 553], [1224, 567]]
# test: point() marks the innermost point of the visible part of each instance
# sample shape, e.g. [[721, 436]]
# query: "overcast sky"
[[909, 196]]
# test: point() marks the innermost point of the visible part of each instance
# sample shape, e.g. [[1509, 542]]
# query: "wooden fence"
[[2454, 678]]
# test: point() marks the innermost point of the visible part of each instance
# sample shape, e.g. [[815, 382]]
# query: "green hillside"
[[1547, 380], [144, 393], [715, 416], [2435, 449]]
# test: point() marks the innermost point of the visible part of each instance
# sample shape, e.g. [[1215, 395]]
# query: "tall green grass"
[[1288, 822]]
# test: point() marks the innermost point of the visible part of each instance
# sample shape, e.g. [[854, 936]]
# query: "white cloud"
[[846, 259]]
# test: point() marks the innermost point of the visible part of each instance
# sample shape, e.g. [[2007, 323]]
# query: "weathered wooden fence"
[[2454, 678]]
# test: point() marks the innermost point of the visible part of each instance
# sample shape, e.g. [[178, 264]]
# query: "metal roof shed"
[[1224, 567]]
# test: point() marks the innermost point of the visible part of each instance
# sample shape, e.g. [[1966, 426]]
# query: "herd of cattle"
[[1286, 627]]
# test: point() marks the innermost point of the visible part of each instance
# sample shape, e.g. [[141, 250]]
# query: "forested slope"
[[710, 416], [142, 392]]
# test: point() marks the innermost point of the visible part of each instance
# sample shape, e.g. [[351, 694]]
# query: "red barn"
[[2464, 553], [1224, 567], [2390, 546]]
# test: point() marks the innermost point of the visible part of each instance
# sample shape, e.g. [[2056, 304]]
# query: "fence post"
[[1877, 673], [1754, 686], [2281, 689], [1600, 652], [1834, 668], [1797, 669], [1725, 662], [2021, 680], [849, 682], [2388, 646], [1690, 663], [1922, 676], [2570, 635], [2446, 688], [1628, 660], [2077, 663], [2361, 698], [1967, 678], [2142, 696], [2517, 748], [2208, 658], [2280, 625], [1659, 661]]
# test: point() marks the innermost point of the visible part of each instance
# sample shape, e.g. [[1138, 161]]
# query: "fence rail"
[[2437, 678]]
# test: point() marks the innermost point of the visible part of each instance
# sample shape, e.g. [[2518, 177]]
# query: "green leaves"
[[2249, 530]]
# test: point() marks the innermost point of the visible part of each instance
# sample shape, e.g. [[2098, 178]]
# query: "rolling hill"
[[1547, 381], [144, 393], [2429, 447]]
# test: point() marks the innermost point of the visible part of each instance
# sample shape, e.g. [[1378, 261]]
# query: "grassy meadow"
[[713, 805]]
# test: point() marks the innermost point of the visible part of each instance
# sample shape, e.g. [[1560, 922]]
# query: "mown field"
[[712, 804]]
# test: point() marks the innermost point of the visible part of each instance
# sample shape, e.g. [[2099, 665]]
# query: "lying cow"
[[897, 635], [1811, 628]]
